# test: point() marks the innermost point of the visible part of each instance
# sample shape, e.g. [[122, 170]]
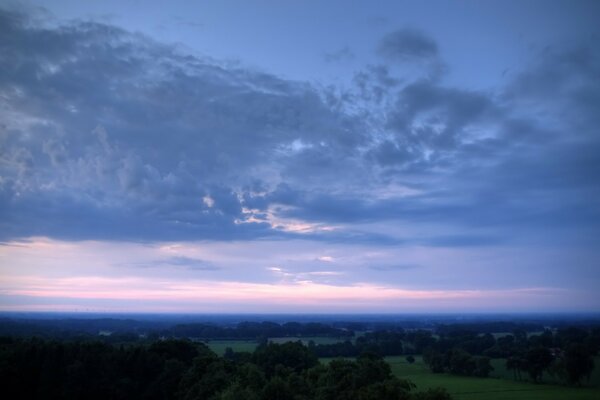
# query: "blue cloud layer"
[[107, 134]]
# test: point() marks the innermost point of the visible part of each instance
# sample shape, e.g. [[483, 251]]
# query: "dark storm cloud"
[[407, 44], [109, 135]]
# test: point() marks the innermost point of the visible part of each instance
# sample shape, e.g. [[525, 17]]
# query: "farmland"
[[499, 386], [471, 388]]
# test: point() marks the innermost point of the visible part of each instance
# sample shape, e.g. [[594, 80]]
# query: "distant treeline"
[[180, 369], [490, 327], [77, 327], [253, 330], [129, 330], [256, 330], [386, 343], [398, 342]]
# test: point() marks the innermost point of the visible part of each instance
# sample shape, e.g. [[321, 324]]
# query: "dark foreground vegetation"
[[181, 369], [159, 359]]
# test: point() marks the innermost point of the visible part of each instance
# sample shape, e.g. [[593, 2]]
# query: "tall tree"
[[537, 360], [578, 363]]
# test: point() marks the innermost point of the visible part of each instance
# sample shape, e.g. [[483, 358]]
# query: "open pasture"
[[471, 388]]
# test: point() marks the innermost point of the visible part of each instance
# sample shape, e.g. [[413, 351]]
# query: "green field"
[[470, 388]]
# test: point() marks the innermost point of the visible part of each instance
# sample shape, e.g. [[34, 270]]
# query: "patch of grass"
[[471, 388]]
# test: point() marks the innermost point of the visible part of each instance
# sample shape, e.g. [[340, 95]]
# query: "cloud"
[[186, 179], [407, 44], [394, 267], [341, 55], [327, 259], [110, 135], [127, 138], [193, 264]]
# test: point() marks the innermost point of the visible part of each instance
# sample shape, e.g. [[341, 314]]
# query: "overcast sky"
[[265, 156]]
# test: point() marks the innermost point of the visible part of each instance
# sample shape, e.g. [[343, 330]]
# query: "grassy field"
[[470, 388]]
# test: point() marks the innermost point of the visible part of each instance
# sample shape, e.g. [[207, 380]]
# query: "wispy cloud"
[[394, 267], [341, 55], [194, 264]]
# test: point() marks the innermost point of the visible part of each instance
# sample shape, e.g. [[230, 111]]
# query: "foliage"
[[577, 363], [458, 362], [140, 365], [181, 369], [536, 361]]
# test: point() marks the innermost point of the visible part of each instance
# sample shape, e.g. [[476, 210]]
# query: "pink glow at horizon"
[[42, 274], [297, 294]]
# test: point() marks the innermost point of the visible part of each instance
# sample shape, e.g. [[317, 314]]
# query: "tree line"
[[465, 349], [566, 354], [130, 330], [255, 330]]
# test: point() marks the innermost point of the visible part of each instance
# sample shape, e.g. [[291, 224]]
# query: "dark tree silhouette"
[[578, 363]]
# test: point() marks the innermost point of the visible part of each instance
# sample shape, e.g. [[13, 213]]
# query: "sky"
[[300, 157]]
